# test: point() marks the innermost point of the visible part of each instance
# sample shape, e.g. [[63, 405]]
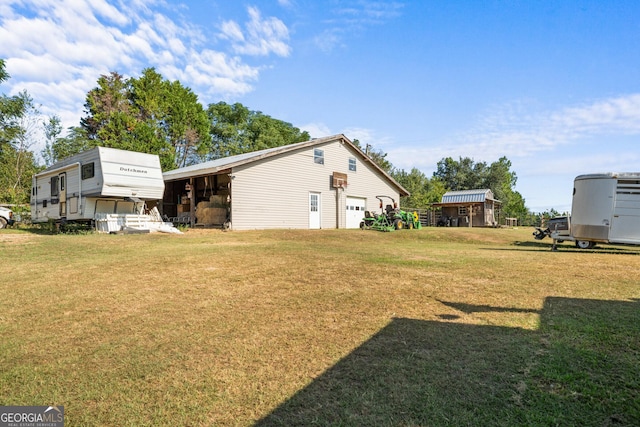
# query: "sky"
[[554, 86]]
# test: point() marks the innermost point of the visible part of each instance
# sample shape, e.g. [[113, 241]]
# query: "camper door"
[[62, 192]]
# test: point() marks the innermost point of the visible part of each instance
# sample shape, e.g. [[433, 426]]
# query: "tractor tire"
[[3, 222], [362, 225], [410, 225], [398, 224]]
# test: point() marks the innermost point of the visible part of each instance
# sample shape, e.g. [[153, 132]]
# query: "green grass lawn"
[[431, 327]]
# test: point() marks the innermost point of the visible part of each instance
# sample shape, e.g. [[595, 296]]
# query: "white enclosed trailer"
[[96, 184], [605, 209]]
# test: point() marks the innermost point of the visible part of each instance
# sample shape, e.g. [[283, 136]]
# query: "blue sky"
[[553, 86]]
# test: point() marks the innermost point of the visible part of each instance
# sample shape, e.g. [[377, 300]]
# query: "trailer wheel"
[[584, 244]]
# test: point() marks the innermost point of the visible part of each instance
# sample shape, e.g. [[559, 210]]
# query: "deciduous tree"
[[148, 114], [465, 174], [236, 130], [18, 118]]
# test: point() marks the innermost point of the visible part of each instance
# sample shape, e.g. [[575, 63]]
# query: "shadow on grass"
[[581, 367], [568, 246], [538, 246]]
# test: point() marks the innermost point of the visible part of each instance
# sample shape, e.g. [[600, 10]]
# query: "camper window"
[[54, 186], [88, 170]]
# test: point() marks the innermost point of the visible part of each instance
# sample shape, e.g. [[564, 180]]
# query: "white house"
[[323, 183]]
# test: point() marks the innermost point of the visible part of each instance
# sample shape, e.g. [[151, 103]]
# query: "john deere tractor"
[[391, 218]]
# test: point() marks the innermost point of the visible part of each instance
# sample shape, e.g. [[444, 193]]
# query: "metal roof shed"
[[472, 208]]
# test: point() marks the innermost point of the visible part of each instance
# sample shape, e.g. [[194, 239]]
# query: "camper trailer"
[[98, 184], [605, 209]]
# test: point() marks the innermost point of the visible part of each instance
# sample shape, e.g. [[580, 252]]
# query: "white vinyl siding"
[[274, 192]]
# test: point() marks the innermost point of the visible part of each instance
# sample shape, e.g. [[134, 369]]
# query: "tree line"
[[154, 115], [465, 174]]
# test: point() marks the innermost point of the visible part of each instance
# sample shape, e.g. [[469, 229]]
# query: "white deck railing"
[[113, 223]]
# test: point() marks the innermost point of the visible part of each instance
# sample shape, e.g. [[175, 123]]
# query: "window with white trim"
[[352, 164], [318, 156]]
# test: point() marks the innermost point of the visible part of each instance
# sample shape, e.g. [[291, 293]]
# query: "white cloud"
[[110, 12], [57, 49], [370, 12], [363, 135], [232, 31], [513, 130], [368, 136], [328, 39], [317, 130], [261, 37], [351, 17], [545, 147], [615, 115]]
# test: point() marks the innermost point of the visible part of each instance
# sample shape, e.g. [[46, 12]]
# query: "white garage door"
[[355, 211]]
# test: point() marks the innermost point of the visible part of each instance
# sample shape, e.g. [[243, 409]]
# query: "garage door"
[[355, 211]]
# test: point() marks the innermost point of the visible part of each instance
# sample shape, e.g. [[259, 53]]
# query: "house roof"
[[213, 167], [468, 196]]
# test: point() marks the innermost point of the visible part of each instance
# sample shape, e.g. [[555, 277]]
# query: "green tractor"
[[391, 218]]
